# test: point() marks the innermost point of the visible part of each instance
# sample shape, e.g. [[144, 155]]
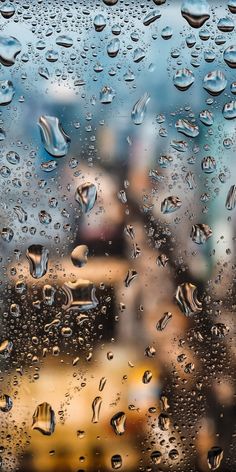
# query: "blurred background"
[[132, 347]]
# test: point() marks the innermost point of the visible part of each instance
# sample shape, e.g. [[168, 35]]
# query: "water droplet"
[[79, 255], [151, 17], [139, 109], [7, 92], [214, 457], [113, 47], [99, 23], [52, 55], [206, 117], [96, 407], [186, 296], [214, 82], [232, 6], [21, 214], [44, 72], [187, 128], [106, 95], [80, 295], [208, 164], [170, 204], [44, 419], [156, 457], [230, 56], [147, 376], [225, 24], [183, 79], [54, 139], [231, 198], [166, 32], [130, 277], [7, 10], [37, 256], [139, 55], [229, 110], [173, 454], [48, 295], [64, 41], [116, 461], [110, 3], [13, 157], [6, 348], [7, 234], [10, 47], [118, 423], [86, 196], [196, 12], [163, 322], [163, 421], [102, 383], [6, 403], [200, 233]]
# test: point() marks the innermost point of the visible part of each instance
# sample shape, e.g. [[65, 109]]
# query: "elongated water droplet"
[[44, 419], [206, 117], [163, 322], [64, 40], [186, 296], [10, 47], [54, 139], [102, 383], [86, 196], [139, 109], [118, 423], [48, 294], [230, 56], [231, 198], [151, 17], [163, 421], [196, 12], [156, 457], [37, 256], [214, 457], [96, 407]]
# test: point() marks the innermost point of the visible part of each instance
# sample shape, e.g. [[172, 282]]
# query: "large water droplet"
[[80, 295], [118, 423], [151, 17], [183, 79], [214, 457], [10, 47], [44, 419], [170, 204], [186, 296], [38, 260], [196, 12], [139, 109], [79, 255], [99, 23], [200, 233], [229, 110], [113, 47], [214, 82], [86, 196], [54, 139], [230, 56], [116, 461], [187, 128], [7, 10]]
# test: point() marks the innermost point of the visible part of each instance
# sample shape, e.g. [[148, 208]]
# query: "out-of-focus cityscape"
[[117, 147]]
